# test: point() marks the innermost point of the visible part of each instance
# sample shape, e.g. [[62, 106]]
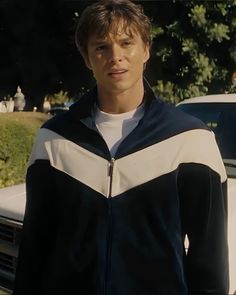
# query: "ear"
[[146, 53]]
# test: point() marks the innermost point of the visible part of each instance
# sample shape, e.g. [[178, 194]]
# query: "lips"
[[117, 73]]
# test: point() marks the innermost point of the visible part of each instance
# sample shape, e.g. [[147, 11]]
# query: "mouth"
[[117, 73]]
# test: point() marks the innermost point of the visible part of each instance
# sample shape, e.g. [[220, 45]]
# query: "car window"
[[221, 118]]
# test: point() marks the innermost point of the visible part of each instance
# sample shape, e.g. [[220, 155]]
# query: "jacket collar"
[[82, 109]]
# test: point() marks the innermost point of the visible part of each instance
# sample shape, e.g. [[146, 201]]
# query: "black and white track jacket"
[[101, 226]]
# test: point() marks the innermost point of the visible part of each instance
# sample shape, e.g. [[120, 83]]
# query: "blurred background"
[[193, 53]]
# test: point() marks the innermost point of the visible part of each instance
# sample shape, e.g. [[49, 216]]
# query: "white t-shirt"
[[115, 127]]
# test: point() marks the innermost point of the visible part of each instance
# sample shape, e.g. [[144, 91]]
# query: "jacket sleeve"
[[38, 229], [203, 204]]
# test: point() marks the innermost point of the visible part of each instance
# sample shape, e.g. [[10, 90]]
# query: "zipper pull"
[[111, 166], [110, 175]]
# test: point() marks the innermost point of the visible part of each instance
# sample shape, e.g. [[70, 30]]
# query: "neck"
[[117, 102]]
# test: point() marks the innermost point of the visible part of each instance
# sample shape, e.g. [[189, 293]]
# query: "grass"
[[32, 119], [17, 134]]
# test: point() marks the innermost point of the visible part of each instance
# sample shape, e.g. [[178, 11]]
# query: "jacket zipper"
[[110, 174], [109, 226]]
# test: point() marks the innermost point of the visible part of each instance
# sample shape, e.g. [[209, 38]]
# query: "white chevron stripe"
[[72, 159], [195, 146]]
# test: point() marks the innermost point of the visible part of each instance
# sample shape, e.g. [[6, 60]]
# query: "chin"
[[120, 88], [123, 85]]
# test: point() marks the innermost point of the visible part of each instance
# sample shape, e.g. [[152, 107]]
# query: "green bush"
[[17, 134]]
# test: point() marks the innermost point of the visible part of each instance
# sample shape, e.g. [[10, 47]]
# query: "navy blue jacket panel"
[[100, 226]]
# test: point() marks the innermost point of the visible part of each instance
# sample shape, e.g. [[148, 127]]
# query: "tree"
[[193, 53], [195, 48]]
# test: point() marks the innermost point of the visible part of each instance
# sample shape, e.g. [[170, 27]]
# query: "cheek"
[[137, 65], [97, 60], [92, 60], [95, 66], [97, 70], [138, 57]]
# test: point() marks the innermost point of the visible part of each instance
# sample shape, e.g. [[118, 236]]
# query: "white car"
[[219, 113], [12, 206]]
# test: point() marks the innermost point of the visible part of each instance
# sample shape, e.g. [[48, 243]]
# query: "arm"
[[203, 204], [38, 229]]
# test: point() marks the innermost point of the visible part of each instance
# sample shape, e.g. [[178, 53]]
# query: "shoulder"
[[181, 119], [170, 121], [55, 121]]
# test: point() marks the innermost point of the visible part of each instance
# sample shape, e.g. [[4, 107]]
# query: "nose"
[[115, 54]]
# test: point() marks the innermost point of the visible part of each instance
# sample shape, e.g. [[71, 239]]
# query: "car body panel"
[[213, 98], [12, 202], [232, 232], [12, 207]]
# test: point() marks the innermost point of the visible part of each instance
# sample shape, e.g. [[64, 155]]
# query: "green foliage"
[[232, 52], [17, 137], [156, 31], [198, 15], [196, 49], [218, 32], [166, 91], [58, 98], [172, 93]]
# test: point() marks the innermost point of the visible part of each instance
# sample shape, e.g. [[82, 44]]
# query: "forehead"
[[115, 30], [110, 38]]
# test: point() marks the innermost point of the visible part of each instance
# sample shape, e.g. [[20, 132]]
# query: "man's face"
[[117, 61]]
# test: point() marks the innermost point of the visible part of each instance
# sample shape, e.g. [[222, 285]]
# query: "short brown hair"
[[103, 16]]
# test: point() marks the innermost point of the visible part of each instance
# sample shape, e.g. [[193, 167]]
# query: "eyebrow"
[[126, 39], [102, 41], [98, 42]]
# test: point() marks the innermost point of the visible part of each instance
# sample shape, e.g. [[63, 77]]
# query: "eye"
[[100, 48], [127, 43]]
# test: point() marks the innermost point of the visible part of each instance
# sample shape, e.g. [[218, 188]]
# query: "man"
[[116, 183]]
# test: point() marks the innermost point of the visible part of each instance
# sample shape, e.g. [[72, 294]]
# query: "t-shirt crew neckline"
[[115, 127]]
